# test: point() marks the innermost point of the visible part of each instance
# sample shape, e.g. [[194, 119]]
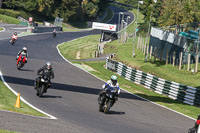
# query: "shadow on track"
[[66, 87], [26, 70], [50, 96], [111, 112]]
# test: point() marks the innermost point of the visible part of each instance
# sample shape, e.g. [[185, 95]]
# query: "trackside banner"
[[103, 26]]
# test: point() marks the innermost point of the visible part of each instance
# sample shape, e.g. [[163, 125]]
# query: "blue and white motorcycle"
[[107, 98]]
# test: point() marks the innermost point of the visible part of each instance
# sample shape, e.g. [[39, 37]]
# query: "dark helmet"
[[48, 65], [15, 33], [198, 118], [114, 79]]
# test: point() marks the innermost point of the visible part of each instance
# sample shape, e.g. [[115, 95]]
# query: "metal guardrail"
[[173, 90]]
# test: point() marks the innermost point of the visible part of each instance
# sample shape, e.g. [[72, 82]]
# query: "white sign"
[[103, 26]]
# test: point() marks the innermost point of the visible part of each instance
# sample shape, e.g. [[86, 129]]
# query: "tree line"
[[56, 8], [167, 12]]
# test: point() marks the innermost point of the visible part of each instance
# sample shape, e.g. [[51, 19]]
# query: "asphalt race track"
[[72, 97]]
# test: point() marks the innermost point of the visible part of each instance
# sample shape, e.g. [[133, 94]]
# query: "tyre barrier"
[[173, 90]]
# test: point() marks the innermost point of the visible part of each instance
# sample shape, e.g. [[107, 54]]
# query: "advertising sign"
[[30, 19], [103, 26]]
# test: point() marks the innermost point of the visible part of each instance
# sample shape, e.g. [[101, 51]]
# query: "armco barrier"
[[176, 91], [37, 29]]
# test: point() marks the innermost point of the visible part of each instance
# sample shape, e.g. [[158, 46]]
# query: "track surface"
[[73, 95]]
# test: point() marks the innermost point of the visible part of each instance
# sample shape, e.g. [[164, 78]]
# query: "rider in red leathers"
[[23, 53]]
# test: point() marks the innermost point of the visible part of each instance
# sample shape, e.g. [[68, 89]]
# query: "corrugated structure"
[[164, 42], [176, 91]]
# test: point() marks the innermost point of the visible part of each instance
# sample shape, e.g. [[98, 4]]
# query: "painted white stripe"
[[22, 99], [124, 89]]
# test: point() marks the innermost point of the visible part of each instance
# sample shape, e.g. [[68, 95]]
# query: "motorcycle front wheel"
[[41, 90], [19, 65], [107, 107]]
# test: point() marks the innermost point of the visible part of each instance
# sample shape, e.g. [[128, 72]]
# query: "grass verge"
[[1, 28], [8, 100], [6, 131], [8, 19], [80, 48]]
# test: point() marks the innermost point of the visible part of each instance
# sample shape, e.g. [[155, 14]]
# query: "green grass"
[[6, 131], [8, 19], [80, 48], [68, 28], [108, 16], [8, 100], [1, 28]]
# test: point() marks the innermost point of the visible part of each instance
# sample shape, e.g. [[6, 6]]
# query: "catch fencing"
[[176, 91]]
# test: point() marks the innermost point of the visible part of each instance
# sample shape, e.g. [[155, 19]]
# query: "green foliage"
[[57, 8], [9, 12], [8, 19], [91, 9], [176, 12]]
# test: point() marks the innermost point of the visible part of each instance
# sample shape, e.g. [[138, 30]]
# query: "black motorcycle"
[[42, 85], [54, 34], [194, 130], [107, 100]]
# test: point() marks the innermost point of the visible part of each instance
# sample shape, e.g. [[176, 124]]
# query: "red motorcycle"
[[21, 61]]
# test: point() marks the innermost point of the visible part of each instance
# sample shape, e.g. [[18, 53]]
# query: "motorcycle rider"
[[24, 53], [47, 68], [113, 83], [54, 33], [14, 36]]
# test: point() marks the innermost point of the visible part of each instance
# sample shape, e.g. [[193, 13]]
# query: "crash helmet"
[[15, 33], [25, 49], [114, 79], [48, 65], [198, 118]]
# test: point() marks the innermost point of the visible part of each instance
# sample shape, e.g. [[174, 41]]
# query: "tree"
[[176, 12], [45, 7], [1, 1]]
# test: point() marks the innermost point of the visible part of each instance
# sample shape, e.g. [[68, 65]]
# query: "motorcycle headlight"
[[42, 80]]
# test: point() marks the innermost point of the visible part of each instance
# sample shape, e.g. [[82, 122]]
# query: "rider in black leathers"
[[50, 73]]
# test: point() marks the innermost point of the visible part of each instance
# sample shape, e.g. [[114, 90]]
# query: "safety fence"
[[176, 91]]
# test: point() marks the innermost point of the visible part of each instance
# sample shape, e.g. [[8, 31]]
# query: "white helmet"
[[24, 49], [48, 65]]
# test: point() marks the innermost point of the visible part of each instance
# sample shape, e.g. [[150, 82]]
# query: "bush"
[[10, 13]]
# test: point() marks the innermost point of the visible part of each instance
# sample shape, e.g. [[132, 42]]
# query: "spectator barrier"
[[176, 91]]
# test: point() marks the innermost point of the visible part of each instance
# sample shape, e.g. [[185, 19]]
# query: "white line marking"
[[121, 88], [22, 99]]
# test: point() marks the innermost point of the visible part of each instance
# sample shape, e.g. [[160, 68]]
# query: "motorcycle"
[[107, 100], [13, 40], [194, 130], [21, 61], [42, 85]]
